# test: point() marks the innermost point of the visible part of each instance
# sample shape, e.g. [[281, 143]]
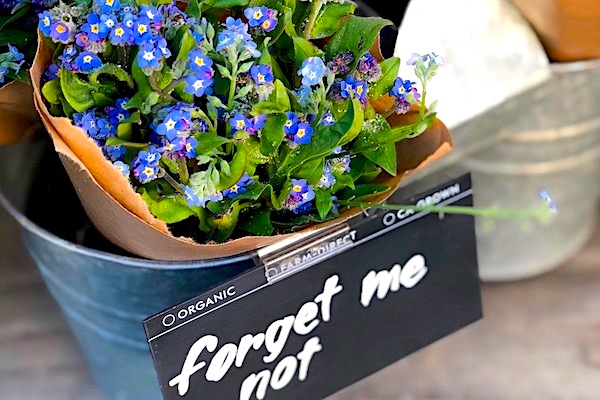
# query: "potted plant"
[[219, 129]]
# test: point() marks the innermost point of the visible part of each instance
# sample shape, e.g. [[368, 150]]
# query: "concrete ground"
[[540, 339]]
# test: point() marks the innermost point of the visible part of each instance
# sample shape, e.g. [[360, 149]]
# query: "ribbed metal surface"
[[106, 298], [554, 146]]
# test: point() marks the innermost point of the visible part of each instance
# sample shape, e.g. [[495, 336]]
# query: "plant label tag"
[[323, 312]]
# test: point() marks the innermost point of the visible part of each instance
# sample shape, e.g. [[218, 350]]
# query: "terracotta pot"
[[569, 29]]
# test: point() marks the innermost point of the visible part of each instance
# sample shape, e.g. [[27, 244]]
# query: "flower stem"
[[423, 99], [171, 87], [183, 170], [173, 183], [232, 86], [541, 212], [312, 19]]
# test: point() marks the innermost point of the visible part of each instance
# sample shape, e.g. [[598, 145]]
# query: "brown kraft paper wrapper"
[[18, 117], [121, 215]]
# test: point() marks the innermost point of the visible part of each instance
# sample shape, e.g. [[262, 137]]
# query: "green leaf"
[[193, 9], [52, 91], [257, 222], [114, 71], [272, 134], [279, 101], [237, 168], [304, 49], [357, 35], [206, 4], [324, 202], [330, 18], [143, 86], [115, 141], [343, 181], [77, 92], [169, 209], [389, 70], [186, 45], [226, 223], [101, 100], [253, 193], [324, 140], [385, 156], [19, 11], [362, 192], [252, 148], [209, 142], [357, 122], [124, 131], [312, 171]]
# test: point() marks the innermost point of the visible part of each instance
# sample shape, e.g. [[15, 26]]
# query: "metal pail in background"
[[554, 146], [104, 296]]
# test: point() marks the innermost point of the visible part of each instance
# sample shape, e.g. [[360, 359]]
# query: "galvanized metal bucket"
[[105, 296], [554, 146]]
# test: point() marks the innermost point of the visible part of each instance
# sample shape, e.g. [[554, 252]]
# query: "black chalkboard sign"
[[322, 313]]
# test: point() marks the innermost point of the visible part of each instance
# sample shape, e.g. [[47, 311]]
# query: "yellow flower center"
[[240, 124], [258, 14], [119, 32], [199, 61], [261, 78], [95, 28], [60, 29], [266, 24], [297, 188], [142, 29], [148, 171], [301, 133], [87, 59]]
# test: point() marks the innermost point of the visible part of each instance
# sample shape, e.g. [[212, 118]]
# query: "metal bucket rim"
[[126, 261]]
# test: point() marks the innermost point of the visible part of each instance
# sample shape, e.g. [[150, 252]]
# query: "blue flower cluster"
[[236, 35], [297, 132], [146, 165], [12, 60], [353, 88], [300, 198], [405, 93], [114, 23], [242, 126], [368, 68], [240, 187], [101, 126], [175, 132], [313, 70], [262, 17], [200, 80]]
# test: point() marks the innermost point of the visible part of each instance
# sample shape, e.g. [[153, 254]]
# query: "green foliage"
[[272, 135], [357, 35], [170, 209], [331, 18], [389, 71], [257, 222], [78, 92]]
